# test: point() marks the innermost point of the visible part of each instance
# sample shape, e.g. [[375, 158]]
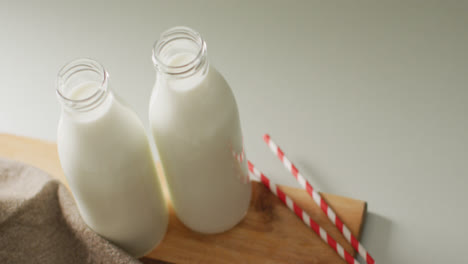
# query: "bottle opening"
[[82, 84], [180, 51]]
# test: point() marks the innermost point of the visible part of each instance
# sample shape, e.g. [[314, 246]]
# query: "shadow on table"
[[376, 236], [377, 229]]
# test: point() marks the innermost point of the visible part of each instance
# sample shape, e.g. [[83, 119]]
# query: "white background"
[[370, 99]]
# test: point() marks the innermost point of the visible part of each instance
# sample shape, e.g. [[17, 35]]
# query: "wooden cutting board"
[[270, 233]]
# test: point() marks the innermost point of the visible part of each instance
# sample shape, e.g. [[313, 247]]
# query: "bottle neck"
[[82, 85], [180, 53]]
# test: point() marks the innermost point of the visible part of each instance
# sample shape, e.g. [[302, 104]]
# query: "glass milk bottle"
[[195, 124], [106, 158]]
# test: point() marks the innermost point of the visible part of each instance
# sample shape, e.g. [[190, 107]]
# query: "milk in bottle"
[[195, 123], [106, 158]]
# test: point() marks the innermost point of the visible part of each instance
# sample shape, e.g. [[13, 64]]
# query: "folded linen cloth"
[[40, 222]]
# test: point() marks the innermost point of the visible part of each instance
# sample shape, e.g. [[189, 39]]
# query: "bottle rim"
[[73, 69], [176, 34]]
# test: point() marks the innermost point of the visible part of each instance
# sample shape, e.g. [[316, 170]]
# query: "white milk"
[[196, 127], [107, 160]]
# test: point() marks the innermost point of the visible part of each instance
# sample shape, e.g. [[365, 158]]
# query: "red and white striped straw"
[[302, 215], [319, 200]]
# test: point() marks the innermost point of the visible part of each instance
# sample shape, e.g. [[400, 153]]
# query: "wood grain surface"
[[269, 233]]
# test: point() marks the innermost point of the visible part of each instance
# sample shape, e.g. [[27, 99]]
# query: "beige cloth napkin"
[[40, 223]]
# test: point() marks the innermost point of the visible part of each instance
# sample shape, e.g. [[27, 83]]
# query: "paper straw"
[[319, 200], [302, 215]]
